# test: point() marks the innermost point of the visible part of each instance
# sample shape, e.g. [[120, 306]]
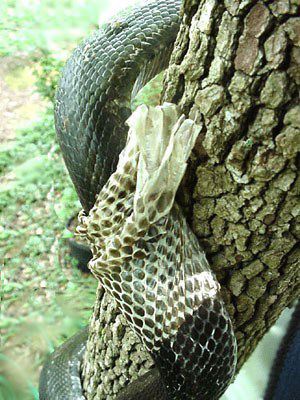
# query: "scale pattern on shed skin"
[[93, 98], [149, 260], [92, 105]]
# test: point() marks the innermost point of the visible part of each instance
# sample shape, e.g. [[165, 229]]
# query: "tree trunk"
[[235, 67]]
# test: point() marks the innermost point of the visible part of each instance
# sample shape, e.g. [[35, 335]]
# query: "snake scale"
[[144, 253]]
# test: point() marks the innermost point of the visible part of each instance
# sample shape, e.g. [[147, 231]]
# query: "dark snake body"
[[94, 95], [93, 103]]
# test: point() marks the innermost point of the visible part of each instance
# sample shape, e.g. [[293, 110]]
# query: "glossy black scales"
[[93, 98], [202, 352]]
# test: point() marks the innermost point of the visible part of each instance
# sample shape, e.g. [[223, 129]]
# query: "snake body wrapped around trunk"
[[144, 253]]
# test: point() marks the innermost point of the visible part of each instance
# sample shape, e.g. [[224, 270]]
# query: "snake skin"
[[94, 95], [157, 272], [149, 260], [60, 376]]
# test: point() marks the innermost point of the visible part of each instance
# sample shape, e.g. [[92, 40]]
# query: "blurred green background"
[[44, 297]]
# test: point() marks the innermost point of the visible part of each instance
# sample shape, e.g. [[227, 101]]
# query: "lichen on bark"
[[236, 68]]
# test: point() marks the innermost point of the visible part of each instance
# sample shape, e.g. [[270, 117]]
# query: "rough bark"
[[235, 67], [115, 355]]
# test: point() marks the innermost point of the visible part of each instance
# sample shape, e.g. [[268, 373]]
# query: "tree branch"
[[237, 66]]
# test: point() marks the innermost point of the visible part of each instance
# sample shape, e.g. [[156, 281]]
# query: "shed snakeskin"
[[144, 253]]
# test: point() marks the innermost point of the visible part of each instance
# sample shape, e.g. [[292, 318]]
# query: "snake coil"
[[144, 253]]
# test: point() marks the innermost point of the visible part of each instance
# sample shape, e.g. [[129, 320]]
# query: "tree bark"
[[236, 68]]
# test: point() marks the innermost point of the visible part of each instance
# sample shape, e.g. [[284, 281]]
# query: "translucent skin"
[[149, 260]]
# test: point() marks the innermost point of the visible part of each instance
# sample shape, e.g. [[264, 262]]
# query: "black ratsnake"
[[180, 315]]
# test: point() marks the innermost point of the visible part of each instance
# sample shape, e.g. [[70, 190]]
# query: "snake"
[[144, 252]]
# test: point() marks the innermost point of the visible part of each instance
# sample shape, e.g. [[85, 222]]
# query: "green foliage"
[[26, 26], [37, 139], [39, 279], [7, 390], [47, 72], [34, 171], [150, 93]]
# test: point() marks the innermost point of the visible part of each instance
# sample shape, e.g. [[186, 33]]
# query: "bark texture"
[[235, 67], [115, 355]]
